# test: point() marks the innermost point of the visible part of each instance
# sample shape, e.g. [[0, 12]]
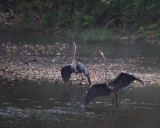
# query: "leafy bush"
[[91, 35], [80, 14], [82, 20]]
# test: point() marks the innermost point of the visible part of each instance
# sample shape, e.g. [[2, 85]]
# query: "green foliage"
[[91, 35], [149, 27], [48, 19], [128, 14], [64, 16], [96, 35], [82, 20]]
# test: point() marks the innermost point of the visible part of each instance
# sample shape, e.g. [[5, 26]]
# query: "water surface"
[[29, 104]]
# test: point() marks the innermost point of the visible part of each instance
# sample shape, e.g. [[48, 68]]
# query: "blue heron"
[[75, 67], [109, 86]]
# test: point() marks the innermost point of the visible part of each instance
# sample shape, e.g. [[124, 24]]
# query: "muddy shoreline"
[[43, 63]]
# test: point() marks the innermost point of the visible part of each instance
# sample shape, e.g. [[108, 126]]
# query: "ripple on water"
[[41, 114]]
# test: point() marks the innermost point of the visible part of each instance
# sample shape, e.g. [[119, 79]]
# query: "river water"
[[31, 104]]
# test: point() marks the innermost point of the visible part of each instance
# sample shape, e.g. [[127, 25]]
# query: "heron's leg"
[[116, 100], [113, 99], [82, 76]]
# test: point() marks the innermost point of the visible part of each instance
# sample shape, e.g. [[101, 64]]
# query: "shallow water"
[[29, 104]]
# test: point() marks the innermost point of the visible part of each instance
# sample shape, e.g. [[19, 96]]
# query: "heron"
[[75, 67], [109, 86]]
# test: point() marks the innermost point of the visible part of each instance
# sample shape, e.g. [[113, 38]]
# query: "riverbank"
[[89, 35], [44, 62]]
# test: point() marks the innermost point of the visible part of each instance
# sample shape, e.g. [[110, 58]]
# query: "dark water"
[[47, 105], [34, 105]]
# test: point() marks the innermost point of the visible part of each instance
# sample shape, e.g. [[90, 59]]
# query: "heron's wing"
[[83, 69], [123, 80], [95, 91], [66, 72]]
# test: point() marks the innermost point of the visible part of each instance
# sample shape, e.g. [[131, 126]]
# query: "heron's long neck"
[[106, 71], [74, 54], [74, 62]]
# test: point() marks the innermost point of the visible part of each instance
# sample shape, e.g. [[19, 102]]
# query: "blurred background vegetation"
[[120, 16]]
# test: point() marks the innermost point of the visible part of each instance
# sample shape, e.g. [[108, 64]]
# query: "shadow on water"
[[32, 104]]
